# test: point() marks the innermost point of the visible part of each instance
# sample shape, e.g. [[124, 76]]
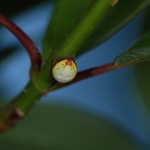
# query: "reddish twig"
[[87, 74], [95, 71], [29, 45]]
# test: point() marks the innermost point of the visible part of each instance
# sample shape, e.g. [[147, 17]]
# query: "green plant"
[[69, 35]]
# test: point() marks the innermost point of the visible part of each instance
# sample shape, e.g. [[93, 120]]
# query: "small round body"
[[64, 70]]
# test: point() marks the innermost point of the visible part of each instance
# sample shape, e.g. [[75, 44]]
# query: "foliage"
[[75, 28], [63, 128]]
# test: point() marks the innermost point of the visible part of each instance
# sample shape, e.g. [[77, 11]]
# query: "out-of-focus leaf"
[[67, 14], [58, 128], [142, 74], [9, 7], [139, 52], [147, 20]]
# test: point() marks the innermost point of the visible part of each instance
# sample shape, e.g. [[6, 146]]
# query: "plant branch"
[[29, 45], [88, 74], [30, 96], [70, 46], [19, 107], [95, 71]]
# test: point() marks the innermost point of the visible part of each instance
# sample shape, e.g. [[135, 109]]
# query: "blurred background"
[[113, 97]]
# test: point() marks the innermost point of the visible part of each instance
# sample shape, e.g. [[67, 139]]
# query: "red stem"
[[87, 74], [95, 71], [29, 45]]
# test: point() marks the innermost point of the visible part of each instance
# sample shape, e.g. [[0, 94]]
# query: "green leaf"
[[67, 14], [139, 52], [118, 16], [142, 76], [58, 128], [72, 23]]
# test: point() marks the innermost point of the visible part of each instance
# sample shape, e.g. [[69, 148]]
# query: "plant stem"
[[88, 74], [19, 107], [30, 96], [76, 38], [95, 71], [71, 46], [29, 45]]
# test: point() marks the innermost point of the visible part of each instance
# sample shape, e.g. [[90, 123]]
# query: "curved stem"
[[29, 45], [20, 106]]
